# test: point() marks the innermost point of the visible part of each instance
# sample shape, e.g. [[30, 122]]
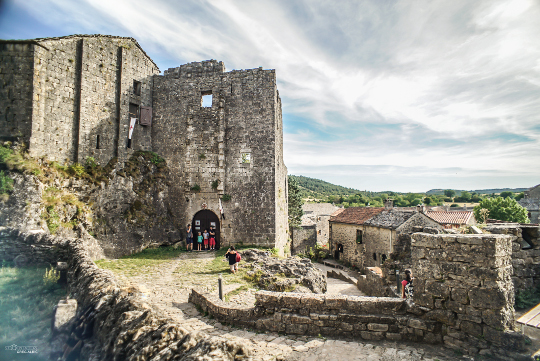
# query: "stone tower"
[[221, 133]]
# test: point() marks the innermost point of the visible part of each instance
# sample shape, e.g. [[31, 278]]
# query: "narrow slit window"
[[136, 87], [359, 236], [206, 99], [97, 142]]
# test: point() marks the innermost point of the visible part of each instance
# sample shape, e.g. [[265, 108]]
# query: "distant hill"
[[318, 187], [479, 191]]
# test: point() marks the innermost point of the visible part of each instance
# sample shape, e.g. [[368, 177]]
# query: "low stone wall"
[[366, 318], [116, 322]]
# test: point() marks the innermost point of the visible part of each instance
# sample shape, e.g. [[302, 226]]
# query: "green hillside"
[[479, 191]]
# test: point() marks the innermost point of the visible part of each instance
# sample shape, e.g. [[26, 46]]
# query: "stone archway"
[[202, 220]]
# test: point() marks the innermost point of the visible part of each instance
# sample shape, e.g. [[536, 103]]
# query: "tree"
[[503, 209], [520, 196], [507, 194], [466, 196], [449, 193], [295, 203]]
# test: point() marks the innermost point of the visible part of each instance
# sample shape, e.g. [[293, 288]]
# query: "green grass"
[[26, 304], [141, 262]]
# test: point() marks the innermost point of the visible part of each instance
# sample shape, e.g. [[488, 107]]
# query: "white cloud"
[[380, 78]]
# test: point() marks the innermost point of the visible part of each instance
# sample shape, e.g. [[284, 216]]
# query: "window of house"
[[359, 236], [136, 87], [206, 99], [319, 231], [383, 258], [374, 256], [246, 157]]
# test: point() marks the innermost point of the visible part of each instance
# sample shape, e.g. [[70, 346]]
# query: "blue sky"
[[377, 95]]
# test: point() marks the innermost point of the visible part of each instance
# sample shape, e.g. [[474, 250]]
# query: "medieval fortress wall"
[[71, 98]]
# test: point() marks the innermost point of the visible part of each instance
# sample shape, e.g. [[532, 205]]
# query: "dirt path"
[[167, 287]]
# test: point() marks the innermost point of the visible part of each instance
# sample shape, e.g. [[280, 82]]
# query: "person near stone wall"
[[212, 238], [231, 256], [189, 238], [406, 281], [199, 241], [205, 237]]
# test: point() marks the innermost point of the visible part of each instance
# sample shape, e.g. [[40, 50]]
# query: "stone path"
[[167, 288]]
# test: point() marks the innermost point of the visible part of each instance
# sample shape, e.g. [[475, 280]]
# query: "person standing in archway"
[[212, 238], [189, 238], [205, 237]]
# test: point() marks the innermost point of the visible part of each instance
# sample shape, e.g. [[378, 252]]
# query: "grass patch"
[[26, 304], [236, 292], [141, 262]]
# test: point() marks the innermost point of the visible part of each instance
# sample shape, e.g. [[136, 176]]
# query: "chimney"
[[421, 208], [388, 203]]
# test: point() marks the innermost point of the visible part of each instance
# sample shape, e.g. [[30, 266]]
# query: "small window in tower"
[[383, 258], [374, 256], [320, 231], [206, 99], [136, 87], [246, 157], [97, 142]]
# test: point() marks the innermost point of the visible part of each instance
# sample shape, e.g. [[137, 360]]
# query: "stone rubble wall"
[[303, 237], [372, 284], [465, 283], [525, 262], [367, 318]]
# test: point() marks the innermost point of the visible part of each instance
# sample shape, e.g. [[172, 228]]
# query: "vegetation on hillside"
[[317, 190]]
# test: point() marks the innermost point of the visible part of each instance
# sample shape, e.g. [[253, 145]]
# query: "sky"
[[378, 95]]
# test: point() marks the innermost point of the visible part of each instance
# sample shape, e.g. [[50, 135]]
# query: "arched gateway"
[[203, 220]]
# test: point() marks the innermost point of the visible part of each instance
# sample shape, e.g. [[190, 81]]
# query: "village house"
[[453, 219], [365, 237]]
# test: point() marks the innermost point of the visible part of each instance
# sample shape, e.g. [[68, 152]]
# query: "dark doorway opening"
[[339, 249], [203, 220]]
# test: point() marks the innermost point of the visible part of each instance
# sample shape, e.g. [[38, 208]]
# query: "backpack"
[[238, 257]]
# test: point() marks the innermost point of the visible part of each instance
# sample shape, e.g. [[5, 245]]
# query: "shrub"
[[76, 169], [527, 298], [196, 188], [215, 184], [51, 277], [226, 197], [6, 183], [91, 162]]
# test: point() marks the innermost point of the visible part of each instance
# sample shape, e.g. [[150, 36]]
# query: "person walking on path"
[[212, 238], [205, 237], [189, 238], [231, 256], [199, 241]]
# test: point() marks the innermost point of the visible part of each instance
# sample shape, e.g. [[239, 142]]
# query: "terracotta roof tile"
[[456, 217], [355, 215]]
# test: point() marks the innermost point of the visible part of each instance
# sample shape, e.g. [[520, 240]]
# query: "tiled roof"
[[451, 217], [355, 215], [392, 218]]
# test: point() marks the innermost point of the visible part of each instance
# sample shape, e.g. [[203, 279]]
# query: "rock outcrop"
[[282, 275]]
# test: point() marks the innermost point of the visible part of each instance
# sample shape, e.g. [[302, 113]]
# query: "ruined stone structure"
[[314, 229], [73, 97]]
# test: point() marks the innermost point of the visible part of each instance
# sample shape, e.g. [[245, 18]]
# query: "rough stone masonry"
[[72, 97]]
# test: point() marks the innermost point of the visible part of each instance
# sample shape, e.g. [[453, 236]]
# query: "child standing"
[[205, 236], [199, 241], [189, 238]]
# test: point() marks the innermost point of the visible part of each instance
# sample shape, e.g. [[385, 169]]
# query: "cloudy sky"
[[404, 95]]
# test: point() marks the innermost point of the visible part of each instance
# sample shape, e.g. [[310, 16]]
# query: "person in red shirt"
[[405, 282]]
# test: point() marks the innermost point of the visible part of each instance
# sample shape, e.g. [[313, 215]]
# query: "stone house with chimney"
[[100, 96], [365, 236]]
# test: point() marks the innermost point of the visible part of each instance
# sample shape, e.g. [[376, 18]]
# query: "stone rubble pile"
[[289, 274]]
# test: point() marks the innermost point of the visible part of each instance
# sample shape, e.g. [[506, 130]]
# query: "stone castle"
[[73, 97]]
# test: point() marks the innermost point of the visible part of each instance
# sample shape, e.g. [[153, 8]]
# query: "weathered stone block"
[[437, 289], [393, 336], [445, 316], [65, 312], [419, 324], [487, 297], [300, 319], [346, 326], [460, 295], [471, 328], [297, 329], [377, 327]]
